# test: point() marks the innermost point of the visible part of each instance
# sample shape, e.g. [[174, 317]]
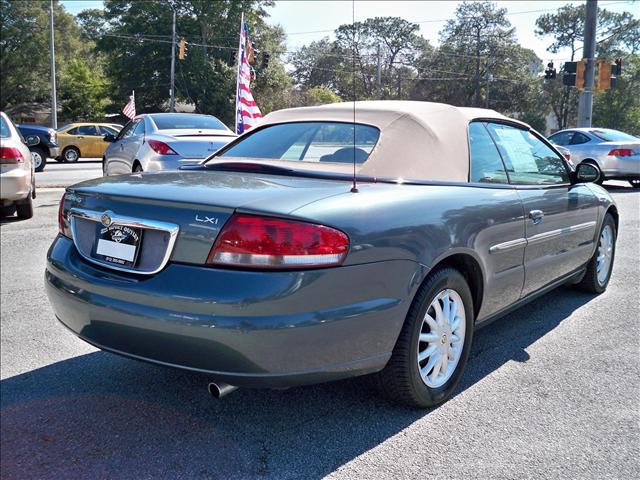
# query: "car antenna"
[[354, 187]]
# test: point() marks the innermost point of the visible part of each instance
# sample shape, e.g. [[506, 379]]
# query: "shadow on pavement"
[[102, 416]]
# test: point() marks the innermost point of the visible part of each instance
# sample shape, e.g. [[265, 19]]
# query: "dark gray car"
[[331, 242]]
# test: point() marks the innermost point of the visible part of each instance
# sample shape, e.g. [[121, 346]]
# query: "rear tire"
[[39, 158], [595, 280], [137, 168], [24, 208], [405, 377], [71, 155], [7, 211]]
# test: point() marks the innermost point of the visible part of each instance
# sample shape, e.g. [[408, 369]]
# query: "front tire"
[[599, 268], [432, 349], [39, 158], [71, 154]]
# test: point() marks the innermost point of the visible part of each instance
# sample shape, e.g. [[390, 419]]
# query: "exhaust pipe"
[[219, 390]]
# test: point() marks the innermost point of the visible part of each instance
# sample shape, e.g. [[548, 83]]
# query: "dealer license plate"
[[118, 244]]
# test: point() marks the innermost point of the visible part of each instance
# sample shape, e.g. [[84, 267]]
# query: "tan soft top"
[[418, 140]]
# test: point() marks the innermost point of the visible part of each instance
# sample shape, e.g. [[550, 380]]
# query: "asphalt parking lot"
[[551, 391]]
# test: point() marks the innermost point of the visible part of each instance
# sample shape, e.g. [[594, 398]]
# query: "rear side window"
[[529, 161], [108, 131], [139, 130], [486, 164], [561, 138], [579, 138], [4, 128], [330, 142]]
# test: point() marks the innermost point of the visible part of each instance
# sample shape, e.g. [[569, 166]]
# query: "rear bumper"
[[15, 183], [256, 329], [621, 167]]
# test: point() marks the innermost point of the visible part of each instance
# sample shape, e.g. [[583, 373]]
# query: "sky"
[[322, 17]]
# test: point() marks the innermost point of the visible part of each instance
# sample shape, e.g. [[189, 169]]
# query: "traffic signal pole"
[[172, 93], [585, 105], [54, 106]]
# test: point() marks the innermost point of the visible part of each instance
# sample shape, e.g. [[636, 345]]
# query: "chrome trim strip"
[[542, 237], [506, 246], [171, 228]]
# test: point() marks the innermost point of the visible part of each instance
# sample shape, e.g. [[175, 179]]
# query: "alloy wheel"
[[71, 155], [441, 338], [37, 160], [605, 252]]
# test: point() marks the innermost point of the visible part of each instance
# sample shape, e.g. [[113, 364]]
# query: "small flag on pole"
[[247, 111], [130, 108]]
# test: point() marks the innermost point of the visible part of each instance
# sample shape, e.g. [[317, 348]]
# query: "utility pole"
[[489, 79], [378, 75], [172, 93], [477, 102], [585, 105], [54, 106]]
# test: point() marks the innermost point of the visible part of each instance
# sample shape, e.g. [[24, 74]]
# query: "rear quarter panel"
[[426, 224]]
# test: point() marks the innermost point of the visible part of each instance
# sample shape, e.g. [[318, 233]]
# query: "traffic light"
[[603, 77], [617, 68], [265, 60], [550, 72], [183, 45], [569, 74]]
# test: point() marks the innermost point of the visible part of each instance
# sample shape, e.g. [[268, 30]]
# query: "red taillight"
[[161, 148], [61, 225], [10, 155], [621, 152], [264, 242]]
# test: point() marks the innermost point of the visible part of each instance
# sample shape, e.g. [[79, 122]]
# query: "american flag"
[[130, 108], [247, 111]]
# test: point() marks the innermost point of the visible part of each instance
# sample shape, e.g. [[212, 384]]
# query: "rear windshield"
[[331, 142], [186, 121], [614, 136]]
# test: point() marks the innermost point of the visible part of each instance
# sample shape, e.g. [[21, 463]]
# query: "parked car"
[[47, 146], [164, 141], [615, 154], [330, 242], [84, 140], [17, 178]]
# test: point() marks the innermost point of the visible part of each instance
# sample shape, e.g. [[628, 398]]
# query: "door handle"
[[536, 216]]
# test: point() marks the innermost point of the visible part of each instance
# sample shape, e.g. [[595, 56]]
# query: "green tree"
[[480, 63], [24, 49], [83, 90], [136, 39]]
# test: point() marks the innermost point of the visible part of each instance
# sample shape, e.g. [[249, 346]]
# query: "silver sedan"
[[164, 141], [616, 154]]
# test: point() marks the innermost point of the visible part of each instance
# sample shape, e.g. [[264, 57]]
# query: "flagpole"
[[238, 72]]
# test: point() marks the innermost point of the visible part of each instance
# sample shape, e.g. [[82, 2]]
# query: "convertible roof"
[[418, 140]]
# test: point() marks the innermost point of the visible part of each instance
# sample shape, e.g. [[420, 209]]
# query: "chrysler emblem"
[[105, 219]]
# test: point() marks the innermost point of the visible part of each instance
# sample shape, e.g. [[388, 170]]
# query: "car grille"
[[156, 247]]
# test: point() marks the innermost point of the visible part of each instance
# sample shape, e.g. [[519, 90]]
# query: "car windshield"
[[187, 122], [614, 136], [330, 142]]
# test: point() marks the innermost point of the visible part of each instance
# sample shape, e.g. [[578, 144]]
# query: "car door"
[[502, 242], [131, 143], [560, 217], [93, 141], [115, 158]]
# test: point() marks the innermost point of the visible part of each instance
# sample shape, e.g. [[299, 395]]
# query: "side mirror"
[[586, 172], [32, 140], [109, 138]]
